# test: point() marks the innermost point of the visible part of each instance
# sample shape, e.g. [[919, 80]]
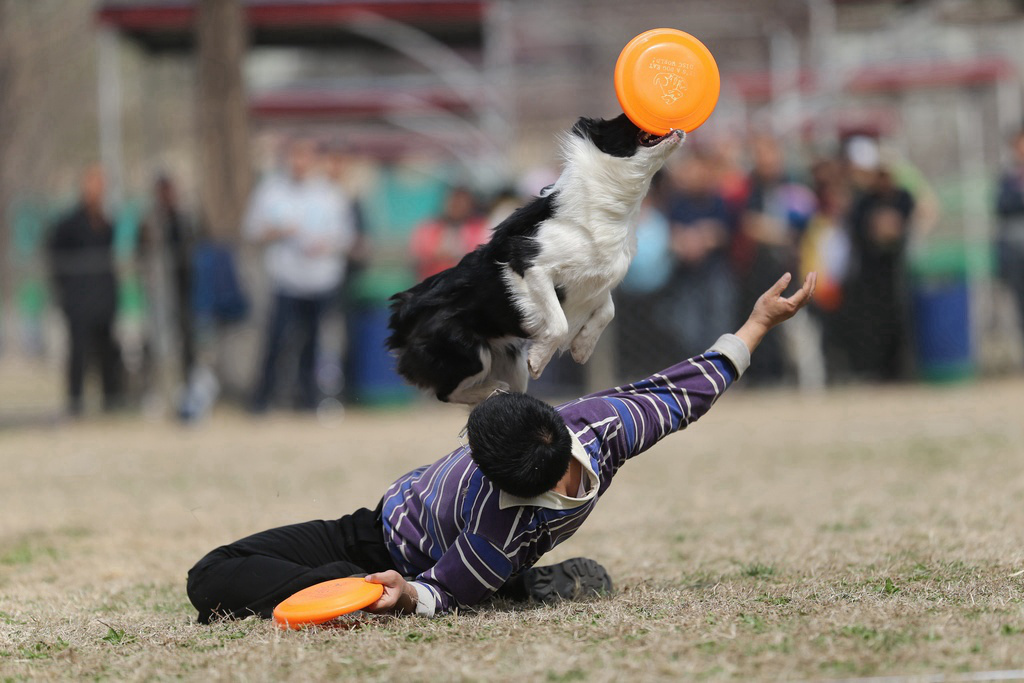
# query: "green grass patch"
[[9, 619], [43, 650], [754, 622], [884, 640], [777, 600], [26, 552], [757, 570], [117, 636]]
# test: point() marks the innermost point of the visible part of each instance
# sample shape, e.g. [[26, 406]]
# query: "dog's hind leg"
[[585, 341], [477, 386], [509, 365]]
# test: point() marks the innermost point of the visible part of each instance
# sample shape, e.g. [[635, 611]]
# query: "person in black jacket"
[[880, 225], [167, 240], [82, 262], [1010, 239]]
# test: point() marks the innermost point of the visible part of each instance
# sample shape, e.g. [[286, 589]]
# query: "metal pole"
[[976, 219], [497, 118], [785, 80], [824, 21], [109, 92]]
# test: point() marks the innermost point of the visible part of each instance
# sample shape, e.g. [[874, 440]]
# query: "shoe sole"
[[567, 580]]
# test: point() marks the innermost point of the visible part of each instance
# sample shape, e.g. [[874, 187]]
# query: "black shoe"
[[569, 580]]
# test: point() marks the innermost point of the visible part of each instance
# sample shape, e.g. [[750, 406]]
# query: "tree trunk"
[[6, 132], [224, 160]]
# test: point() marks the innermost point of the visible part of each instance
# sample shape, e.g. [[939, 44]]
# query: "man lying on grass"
[[474, 523]]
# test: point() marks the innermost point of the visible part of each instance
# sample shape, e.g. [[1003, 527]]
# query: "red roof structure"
[[167, 25]]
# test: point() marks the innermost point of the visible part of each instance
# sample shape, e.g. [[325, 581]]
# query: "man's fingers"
[[804, 294], [779, 287], [384, 578]]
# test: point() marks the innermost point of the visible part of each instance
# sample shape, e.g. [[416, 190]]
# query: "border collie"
[[543, 282]]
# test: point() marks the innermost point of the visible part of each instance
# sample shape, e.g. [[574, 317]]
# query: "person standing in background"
[[82, 266], [305, 224], [777, 211], [1010, 240], [168, 238], [343, 170], [702, 292], [880, 221], [439, 243], [825, 250]]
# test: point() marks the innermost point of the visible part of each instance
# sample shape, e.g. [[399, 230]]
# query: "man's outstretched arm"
[[628, 420]]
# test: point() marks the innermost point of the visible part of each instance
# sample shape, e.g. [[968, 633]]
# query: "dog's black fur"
[[438, 325]]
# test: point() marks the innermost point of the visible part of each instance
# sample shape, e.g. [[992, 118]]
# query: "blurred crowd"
[[717, 232], [721, 223]]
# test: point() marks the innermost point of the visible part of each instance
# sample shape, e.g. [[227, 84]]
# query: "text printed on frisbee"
[[670, 78]]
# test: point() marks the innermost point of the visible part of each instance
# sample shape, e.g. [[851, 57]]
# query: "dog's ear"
[[584, 126], [616, 137]]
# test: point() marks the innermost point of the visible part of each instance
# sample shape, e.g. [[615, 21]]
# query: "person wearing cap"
[[880, 223], [474, 523]]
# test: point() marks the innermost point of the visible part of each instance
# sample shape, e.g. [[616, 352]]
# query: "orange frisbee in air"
[[325, 601], [667, 80]]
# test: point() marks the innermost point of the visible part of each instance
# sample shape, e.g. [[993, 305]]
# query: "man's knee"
[[202, 586]]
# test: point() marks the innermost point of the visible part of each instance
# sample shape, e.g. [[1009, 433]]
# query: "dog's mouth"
[[650, 139]]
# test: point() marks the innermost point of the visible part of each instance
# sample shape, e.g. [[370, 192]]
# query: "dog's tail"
[[408, 310], [432, 349], [414, 306]]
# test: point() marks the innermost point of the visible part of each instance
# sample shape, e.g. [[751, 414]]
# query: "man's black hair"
[[519, 443]]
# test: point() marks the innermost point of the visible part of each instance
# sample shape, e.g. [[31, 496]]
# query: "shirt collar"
[[558, 501]]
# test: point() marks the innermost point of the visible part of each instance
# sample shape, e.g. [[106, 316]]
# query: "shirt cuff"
[[426, 603], [733, 348]]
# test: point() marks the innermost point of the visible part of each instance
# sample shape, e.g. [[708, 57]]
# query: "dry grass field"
[[860, 533]]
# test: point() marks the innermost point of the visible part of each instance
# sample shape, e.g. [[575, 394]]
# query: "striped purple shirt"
[[443, 524]]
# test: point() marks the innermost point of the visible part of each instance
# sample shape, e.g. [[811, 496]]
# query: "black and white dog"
[[543, 282]]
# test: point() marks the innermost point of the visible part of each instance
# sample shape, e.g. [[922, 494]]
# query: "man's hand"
[[772, 309], [276, 233], [398, 596], [319, 247]]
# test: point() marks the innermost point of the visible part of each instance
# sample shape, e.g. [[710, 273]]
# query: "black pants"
[[1011, 271], [253, 575], [302, 315], [92, 337]]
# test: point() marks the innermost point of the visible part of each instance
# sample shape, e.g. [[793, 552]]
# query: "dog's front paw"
[[582, 348], [537, 360]]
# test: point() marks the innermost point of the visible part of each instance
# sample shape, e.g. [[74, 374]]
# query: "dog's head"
[[621, 139]]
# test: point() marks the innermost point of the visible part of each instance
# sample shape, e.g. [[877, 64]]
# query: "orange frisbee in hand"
[[325, 601], [667, 80]]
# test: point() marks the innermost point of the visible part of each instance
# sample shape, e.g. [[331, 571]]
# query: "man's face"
[[93, 187], [767, 157], [301, 159], [165, 192], [459, 206], [1018, 148], [692, 176]]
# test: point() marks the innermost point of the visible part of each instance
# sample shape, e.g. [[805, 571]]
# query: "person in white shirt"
[[305, 224]]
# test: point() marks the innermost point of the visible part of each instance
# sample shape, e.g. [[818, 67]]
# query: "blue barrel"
[[372, 378], [943, 343], [942, 330]]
